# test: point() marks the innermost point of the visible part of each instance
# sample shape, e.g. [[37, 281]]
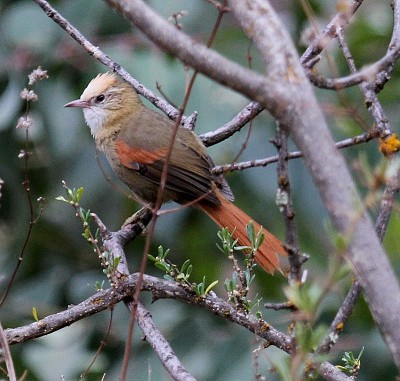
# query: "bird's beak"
[[78, 103]]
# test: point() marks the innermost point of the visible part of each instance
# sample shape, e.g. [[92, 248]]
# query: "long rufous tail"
[[227, 215]]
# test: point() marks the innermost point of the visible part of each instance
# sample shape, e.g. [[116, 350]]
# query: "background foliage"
[[59, 268]]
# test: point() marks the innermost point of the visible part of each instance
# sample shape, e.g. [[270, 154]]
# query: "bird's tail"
[[227, 215]]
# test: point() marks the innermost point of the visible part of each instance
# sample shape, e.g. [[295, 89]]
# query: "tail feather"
[[227, 215]]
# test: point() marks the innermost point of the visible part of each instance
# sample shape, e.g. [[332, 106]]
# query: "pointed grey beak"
[[78, 103]]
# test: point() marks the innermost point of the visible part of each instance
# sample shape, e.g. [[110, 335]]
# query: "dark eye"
[[100, 98]]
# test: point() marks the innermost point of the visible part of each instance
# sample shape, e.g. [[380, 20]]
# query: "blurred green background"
[[59, 268]]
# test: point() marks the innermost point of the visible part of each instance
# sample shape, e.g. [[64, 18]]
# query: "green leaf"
[[153, 259], [210, 286], [79, 194], [99, 285], [185, 265], [163, 266], [251, 233], [61, 198], [305, 297], [34, 314], [116, 262], [86, 233]]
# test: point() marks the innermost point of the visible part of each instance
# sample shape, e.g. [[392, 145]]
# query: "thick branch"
[[161, 289], [305, 122], [195, 54], [160, 345]]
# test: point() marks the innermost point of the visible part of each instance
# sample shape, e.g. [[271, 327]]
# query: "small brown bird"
[[135, 141]]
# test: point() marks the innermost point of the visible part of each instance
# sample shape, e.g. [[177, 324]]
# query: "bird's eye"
[[100, 98]]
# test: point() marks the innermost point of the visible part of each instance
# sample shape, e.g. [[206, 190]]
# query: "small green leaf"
[[239, 248], [163, 266], [86, 233], [153, 259], [78, 194], [251, 233], [116, 262], [211, 285], [185, 265], [34, 314], [99, 285]]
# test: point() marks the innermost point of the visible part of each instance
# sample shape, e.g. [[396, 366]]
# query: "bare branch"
[[363, 138], [161, 346], [341, 317], [95, 51], [284, 202], [368, 74], [233, 126], [329, 33], [350, 301], [368, 89], [384, 76], [195, 54], [6, 354]]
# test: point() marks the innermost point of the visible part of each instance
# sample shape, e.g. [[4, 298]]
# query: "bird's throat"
[[95, 118]]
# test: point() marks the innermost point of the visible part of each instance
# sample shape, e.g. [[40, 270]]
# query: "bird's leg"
[[137, 218]]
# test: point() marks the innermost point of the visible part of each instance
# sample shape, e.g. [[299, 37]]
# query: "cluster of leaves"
[[352, 364], [238, 285], [305, 297], [180, 275], [73, 197], [109, 262]]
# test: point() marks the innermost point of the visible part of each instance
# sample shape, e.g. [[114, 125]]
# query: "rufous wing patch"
[[131, 157]]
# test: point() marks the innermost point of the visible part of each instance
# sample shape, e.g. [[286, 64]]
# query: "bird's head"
[[106, 100]]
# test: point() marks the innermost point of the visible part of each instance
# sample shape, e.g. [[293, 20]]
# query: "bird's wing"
[[144, 150]]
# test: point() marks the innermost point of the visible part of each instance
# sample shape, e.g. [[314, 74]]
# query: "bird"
[[136, 141]]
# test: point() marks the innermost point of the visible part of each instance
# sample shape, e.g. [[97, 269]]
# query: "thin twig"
[[280, 306], [382, 125], [219, 169], [96, 52], [233, 126], [384, 76], [6, 354], [386, 206], [338, 323], [284, 201], [101, 346], [329, 33], [352, 296]]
